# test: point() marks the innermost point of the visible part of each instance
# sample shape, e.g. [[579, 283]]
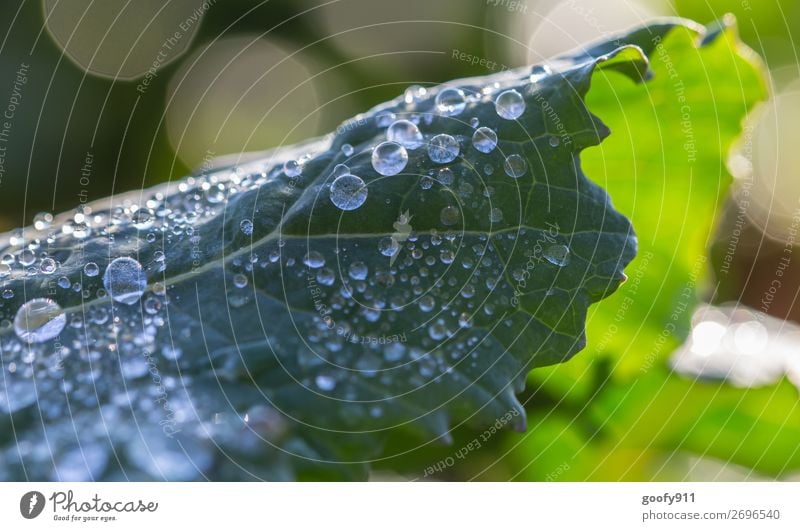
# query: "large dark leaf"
[[277, 333]]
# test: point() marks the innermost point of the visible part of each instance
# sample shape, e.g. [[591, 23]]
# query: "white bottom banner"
[[399, 506]]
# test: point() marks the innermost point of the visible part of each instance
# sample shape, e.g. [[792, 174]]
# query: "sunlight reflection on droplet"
[[750, 338], [742, 346], [706, 337]]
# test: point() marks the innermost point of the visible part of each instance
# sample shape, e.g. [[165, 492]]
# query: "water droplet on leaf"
[[389, 158], [446, 176], [449, 215], [48, 266], [39, 320], [437, 331], [515, 166], [384, 118], [348, 192], [27, 257], [325, 383], [450, 101], [91, 269], [340, 169], [292, 168], [125, 280], [557, 255], [405, 133], [443, 149], [414, 93], [358, 271], [484, 140], [326, 276], [509, 104], [388, 246]]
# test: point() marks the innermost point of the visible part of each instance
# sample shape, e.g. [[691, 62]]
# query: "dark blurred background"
[[150, 89]]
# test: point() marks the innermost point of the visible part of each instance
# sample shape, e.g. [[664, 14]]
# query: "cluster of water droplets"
[[87, 295], [84, 321], [450, 279], [388, 318], [410, 131]]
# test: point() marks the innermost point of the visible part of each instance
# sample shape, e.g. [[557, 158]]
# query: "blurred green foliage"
[[616, 411]]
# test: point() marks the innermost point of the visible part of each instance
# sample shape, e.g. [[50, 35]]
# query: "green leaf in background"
[[673, 135]]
